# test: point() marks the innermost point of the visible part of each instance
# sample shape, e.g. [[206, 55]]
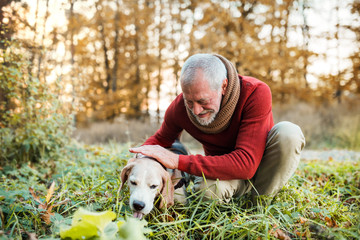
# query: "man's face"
[[203, 102]]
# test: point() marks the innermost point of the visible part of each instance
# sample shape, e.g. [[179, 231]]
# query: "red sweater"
[[234, 153]]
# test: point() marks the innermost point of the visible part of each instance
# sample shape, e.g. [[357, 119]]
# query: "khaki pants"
[[280, 160]]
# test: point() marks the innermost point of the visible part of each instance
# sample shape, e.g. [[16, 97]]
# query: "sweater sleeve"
[[242, 163]]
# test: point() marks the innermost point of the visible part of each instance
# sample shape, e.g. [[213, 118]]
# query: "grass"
[[321, 201]]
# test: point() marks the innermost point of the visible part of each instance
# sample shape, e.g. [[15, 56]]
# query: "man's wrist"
[[176, 161]]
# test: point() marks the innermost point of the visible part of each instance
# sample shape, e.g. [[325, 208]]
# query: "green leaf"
[[100, 219], [87, 224], [80, 230], [133, 229], [110, 231], [99, 225]]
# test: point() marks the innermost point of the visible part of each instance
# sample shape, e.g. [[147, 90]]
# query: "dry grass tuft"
[[333, 126]]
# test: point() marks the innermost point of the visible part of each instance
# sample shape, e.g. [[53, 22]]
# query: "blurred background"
[[113, 66]]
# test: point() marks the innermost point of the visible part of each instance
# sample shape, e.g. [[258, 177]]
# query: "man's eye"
[[133, 183], [153, 186]]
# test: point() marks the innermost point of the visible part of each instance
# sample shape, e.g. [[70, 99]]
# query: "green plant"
[[320, 202], [33, 126]]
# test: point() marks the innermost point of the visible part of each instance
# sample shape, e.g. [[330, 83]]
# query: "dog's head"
[[147, 179]]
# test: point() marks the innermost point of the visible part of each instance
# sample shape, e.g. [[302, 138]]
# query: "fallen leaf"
[[299, 234], [303, 220], [50, 192], [33, 194], [46, 216], [279, 234], [330, 222], [48, 205]]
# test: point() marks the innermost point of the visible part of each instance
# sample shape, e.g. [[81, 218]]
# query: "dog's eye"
[[133, 183], [153, 186]]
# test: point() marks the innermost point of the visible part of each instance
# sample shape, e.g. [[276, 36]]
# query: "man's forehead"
[[198, 93], [199, 88], [203, 99]]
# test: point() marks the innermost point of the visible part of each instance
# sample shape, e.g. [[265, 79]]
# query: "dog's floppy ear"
[[126, 171], [167, 190]]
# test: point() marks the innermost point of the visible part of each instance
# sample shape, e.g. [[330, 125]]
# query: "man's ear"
[[224, 86], [126, 171], [167, 190]]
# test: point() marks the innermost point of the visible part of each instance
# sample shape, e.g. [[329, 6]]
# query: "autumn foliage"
[[124, 57]]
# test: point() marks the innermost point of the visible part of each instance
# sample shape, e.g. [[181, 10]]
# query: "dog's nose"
[[138, 205]]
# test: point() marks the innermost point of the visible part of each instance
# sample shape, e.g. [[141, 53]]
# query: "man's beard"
[[205, 121]]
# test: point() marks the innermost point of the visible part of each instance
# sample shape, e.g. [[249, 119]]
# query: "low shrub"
[[32, 124]]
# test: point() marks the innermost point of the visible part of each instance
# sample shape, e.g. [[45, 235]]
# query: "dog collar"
[[180, 183]]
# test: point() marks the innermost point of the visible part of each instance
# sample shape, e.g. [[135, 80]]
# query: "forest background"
[[114, 65]]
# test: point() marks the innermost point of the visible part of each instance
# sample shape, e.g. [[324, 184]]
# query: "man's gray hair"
[[212, 67]]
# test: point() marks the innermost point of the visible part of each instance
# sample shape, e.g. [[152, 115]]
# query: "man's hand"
[[164, 156]]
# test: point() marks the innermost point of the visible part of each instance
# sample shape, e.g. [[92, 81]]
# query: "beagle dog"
[[148, 179]]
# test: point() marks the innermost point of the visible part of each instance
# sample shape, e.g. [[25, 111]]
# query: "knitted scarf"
[[228, 102]]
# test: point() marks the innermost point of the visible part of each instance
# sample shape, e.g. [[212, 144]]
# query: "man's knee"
[[288, 137], [281, 158]]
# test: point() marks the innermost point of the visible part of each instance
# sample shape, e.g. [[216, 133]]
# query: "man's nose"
[[198, 108]]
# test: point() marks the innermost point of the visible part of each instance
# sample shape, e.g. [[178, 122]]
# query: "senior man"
[[231, 116]]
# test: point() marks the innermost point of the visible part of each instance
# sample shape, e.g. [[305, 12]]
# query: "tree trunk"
[[116, 48], [105, 52], [306, 38], [72, 53], [41, 47], [32, 44], [5, 32], [159, 78]]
